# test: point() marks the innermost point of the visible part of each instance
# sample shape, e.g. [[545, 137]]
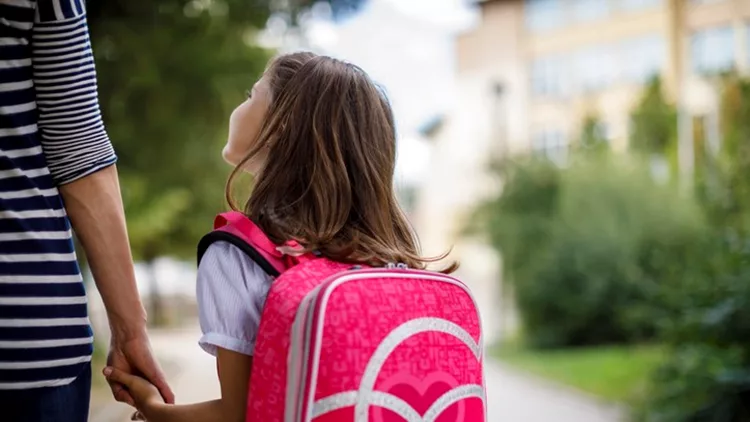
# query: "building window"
[[590, 10], [636, 5], [542, 15], [712, 50], [595, 69], [552, 145], [642, 58], [548, 77]]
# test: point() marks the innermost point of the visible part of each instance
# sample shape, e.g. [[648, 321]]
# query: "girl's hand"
[[145, 394]]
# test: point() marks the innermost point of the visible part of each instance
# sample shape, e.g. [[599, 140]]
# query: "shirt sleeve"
[[73, 137], [231, 292]]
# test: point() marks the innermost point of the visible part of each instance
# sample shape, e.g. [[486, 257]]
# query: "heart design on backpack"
[[420, 394], [316, 308]]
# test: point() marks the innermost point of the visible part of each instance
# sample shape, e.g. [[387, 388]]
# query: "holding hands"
[[145, 396]]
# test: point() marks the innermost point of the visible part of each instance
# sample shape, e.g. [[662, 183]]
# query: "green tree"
[[654, 122], [707, 378], [731, 204], [592, 138], [170, 72], [653, 131]]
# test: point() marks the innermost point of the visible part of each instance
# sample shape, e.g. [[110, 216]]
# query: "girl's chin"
[[230, 158], [234, 159]]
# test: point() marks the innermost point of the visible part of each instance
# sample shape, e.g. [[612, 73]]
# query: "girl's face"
[[244, 127]]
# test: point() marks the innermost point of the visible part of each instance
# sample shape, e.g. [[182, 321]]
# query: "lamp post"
[[499, 134], [498, 122], [685, 152]]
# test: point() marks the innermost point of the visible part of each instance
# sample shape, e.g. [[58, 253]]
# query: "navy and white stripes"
[[65, 84], [51, 133]]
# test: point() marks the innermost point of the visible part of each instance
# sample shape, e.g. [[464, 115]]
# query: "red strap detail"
[[223, 219], [293, 259], [254, 234]]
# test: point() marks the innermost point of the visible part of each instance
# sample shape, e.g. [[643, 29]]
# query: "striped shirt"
[[51, 133]]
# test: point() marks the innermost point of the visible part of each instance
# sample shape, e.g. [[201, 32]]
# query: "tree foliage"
[[170, 73], [732, 202], [653, 122], [592, 138], [708, 375]]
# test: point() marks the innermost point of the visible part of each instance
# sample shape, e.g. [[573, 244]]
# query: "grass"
[[614, 373]]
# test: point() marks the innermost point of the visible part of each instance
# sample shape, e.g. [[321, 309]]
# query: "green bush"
[[707, 377], [586, 247]]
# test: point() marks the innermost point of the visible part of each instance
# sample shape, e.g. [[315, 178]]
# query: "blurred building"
[[559, 60], [530, 71]]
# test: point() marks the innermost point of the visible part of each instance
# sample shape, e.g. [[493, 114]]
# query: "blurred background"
[[588, 162]]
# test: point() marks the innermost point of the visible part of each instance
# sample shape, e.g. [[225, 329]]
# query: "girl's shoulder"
[[228, 262]]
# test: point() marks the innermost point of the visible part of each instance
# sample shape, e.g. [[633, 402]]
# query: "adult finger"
[[154, 374], [120, 393], [119, 382]]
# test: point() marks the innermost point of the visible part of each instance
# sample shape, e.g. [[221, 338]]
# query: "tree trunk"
[[156, 305]]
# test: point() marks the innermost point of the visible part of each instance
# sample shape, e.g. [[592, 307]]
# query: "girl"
[[319, 137]]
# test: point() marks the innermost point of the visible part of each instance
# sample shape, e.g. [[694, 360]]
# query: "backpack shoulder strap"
[[234, 227]]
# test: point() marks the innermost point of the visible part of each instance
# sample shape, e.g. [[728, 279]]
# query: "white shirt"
[[231, 292]]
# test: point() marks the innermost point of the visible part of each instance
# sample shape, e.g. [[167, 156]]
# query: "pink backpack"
[[341, 343]]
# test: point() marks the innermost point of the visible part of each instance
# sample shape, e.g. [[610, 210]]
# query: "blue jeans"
[[69, 403]]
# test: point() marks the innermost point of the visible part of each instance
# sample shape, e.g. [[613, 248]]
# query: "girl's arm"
[[234, 376], [230, 291]]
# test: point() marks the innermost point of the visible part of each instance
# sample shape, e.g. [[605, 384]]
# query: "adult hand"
[[133, 355], [144, 394]]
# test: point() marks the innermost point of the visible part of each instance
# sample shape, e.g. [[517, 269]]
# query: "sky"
[[407, 47]]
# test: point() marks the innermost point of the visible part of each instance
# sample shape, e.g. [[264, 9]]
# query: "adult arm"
[[231, 291], [234, 372], [81, 160]]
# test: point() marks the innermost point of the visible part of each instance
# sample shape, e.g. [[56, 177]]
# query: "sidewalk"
[[191, 372], [511, 397], [515, 397]]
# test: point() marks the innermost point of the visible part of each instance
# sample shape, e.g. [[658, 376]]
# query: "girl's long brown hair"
[[329, 142]]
